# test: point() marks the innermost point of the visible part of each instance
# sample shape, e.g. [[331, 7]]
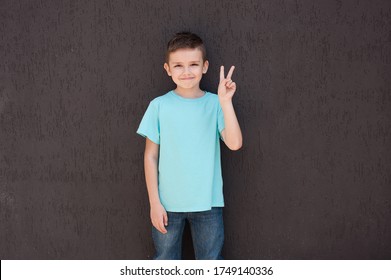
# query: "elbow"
[[235, 146], [151, 158], [233, 142]]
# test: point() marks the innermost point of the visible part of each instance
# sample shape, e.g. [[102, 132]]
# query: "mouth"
[[190, 78]]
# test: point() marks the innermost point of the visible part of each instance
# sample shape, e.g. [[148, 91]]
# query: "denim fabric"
[[207, 231]]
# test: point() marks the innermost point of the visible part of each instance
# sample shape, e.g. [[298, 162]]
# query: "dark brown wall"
[[312, 181]]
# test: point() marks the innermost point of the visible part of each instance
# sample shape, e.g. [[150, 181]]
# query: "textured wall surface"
[[312, 181]]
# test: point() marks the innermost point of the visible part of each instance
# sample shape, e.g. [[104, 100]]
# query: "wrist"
[[154, 202], [226, 103]]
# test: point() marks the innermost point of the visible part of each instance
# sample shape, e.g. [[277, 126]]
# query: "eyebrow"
[[198, 61]]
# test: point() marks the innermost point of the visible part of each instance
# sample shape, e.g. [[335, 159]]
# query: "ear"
[[167, 69], [205, 67]]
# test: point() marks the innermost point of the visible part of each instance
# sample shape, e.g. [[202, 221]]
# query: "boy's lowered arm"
[[158, 214], [231, 134]]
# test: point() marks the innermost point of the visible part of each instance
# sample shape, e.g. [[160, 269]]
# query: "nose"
[[186, 70]]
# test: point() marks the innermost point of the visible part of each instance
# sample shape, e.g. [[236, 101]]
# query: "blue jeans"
[[207, 231]]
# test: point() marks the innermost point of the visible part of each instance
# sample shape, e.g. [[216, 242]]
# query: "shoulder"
[[157, 101], [213, 99]]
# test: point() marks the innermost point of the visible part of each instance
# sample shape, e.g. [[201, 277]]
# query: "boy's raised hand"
[[226, 87]]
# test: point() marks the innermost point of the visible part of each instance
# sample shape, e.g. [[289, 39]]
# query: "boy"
[[182, 154]]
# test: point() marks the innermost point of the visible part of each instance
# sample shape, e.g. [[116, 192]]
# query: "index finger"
[[229, 75], [221, 73]]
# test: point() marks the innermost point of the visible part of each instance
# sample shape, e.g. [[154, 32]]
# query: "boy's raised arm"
[[158, 213], [231, 134]]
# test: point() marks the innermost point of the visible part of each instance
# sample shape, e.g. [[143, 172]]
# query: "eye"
[[178, 66], [194, 64]]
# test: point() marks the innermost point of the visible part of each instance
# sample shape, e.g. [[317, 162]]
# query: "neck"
[[189, 92]]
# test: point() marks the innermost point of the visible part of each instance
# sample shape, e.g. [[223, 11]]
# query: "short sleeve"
[[220, 119], [149, 125]]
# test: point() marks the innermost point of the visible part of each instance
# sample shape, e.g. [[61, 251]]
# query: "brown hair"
[[185, 40]]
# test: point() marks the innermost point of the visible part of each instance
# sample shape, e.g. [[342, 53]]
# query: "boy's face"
[[186, 68]]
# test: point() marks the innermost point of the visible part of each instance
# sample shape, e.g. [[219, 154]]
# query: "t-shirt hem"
[[197, 209]]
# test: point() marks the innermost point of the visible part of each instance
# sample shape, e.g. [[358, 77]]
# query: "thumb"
[[165, 219]]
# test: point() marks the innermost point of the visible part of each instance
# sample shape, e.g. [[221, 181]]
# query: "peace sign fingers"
[[226, 87], [229, 75]]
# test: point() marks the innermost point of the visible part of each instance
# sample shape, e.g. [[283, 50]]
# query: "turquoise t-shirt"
[[188, 133]]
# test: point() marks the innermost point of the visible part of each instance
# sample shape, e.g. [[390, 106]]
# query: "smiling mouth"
[[187, 78]]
